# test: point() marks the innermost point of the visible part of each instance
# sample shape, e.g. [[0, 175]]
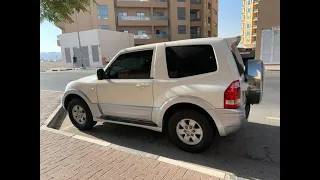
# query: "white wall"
[[70, 40], [111, 42]]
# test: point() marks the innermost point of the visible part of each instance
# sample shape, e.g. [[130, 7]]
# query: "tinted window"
[[181, 13], [181, 29], [135, 65], [102, 11], [184, 61]]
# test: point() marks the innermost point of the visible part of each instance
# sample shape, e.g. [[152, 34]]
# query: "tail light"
[[232, 96]]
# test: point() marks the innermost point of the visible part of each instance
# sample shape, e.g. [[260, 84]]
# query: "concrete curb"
[[55, 118], [50, 70]]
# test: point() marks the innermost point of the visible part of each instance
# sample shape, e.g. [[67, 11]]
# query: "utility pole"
[[79, 41]]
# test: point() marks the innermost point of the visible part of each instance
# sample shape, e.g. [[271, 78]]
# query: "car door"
[[127, 92]]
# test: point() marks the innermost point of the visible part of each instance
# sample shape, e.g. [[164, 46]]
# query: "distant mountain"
[[50, 56]]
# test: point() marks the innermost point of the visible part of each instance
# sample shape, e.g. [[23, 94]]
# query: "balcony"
[[193, 36], [142, 3], [161, 36], [214, 24], [148, 39], [195, 4], [143, 36], [255, 26], [60, 25], [195, 1], [142, 21], [255, 19], [194, 18], [255, 10], [253, 42], [254, 34], [256, 2]]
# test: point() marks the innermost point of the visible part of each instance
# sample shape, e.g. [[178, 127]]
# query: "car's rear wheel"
[[80, 115], [190, 131]]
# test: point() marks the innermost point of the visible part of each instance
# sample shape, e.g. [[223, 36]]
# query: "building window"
[[249, 10], [105, 27], [181, 0], [247, 40], [248, 16], [247, 33], [142, 32], [181, 29], [126, 31], [159, 13], [181, 13], [122, 14], [249, 2], [248, 25], [102, 11], [140, 14], [205, 19]]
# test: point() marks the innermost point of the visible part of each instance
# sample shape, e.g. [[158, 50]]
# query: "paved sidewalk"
[[49, 101], [66, 157]]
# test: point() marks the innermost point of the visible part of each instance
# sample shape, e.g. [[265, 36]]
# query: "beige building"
[[249, 22], [150, 21], [258, 15], [269, 17]]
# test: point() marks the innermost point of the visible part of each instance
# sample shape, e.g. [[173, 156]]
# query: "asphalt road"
[[57, 80], [253, 152]]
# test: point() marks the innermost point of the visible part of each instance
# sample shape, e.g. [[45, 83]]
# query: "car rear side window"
[[191, 60]]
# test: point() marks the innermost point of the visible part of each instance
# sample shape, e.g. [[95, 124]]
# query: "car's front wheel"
[[190, 131], [80, 115]]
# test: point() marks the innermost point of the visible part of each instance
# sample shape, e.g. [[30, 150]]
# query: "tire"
[[207, 131], [85, 123]]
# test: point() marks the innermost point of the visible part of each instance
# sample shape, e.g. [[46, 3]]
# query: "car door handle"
[[142, 85]]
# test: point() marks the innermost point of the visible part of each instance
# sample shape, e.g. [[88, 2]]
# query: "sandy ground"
[[47, 65]]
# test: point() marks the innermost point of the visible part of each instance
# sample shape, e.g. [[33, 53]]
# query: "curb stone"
[[55, 118]]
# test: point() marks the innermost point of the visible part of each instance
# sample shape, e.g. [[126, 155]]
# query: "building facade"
[[249, 22], [150, 21], [269, 18]]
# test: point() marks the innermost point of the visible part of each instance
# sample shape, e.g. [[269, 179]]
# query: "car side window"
[[190, 60], [133, 65]]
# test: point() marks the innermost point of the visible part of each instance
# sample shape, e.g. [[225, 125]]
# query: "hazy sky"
[[229, 24]]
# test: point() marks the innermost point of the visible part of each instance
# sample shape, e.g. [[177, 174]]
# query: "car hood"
[[87, 78]]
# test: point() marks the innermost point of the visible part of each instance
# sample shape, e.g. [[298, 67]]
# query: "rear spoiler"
[[231, 41]]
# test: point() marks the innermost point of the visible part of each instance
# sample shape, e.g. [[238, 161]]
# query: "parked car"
[[192, 89]]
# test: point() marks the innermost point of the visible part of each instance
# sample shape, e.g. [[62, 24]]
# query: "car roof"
[[182, 42]]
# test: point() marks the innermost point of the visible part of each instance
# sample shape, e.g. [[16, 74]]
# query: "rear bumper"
[[231, 119]]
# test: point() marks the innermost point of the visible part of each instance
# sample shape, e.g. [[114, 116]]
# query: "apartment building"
[[151, 21], [249, 22]]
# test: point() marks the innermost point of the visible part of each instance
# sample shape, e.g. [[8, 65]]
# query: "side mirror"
[[101, 74]]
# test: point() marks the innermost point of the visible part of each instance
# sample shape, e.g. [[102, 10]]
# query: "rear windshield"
[[239, 66], [237, 57]]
